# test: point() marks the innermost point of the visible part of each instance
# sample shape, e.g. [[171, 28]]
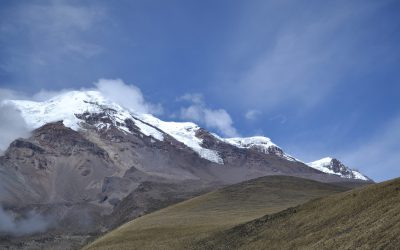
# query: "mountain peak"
[[61, 107], [334, 166]]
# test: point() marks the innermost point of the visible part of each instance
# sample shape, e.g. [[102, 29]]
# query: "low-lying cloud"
[[12, 124], [252, 114], [29, 224], [212, 118]]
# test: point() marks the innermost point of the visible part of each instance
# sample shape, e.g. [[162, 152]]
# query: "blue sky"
[[319, 78]]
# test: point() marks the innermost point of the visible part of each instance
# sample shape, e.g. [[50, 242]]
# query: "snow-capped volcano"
[[333, 166], [76, 108], [69, 107]]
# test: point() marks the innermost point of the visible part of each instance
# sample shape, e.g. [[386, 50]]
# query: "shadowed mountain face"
[[103, 165]]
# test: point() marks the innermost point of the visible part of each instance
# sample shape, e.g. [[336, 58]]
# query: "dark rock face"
[[338, 167], [102, 176]]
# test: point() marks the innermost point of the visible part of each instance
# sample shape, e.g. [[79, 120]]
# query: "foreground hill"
[[366, 218], [180, 225]]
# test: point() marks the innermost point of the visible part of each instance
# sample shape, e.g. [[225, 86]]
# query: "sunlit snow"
[[324, 165]]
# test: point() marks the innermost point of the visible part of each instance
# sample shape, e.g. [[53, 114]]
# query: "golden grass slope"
[[365, 218], [182, 225]]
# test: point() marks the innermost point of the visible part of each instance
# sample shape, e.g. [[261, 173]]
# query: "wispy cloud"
[[198, 111], [31, 223], [46, 32], [192, 97], [252, 114], [301, 60], [281, 118], [12, 124]]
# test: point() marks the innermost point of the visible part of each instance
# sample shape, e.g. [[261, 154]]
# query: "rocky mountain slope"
[[91, 164]]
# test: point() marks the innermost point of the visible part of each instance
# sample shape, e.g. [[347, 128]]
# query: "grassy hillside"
[[366, 218], [180, 225]]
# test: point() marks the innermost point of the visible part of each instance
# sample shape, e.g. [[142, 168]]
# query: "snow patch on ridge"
[[322, 165], [184, 132], [358, 175], [248, 142], [261, 143]]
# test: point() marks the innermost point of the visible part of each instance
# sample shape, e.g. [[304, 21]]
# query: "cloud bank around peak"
[[12, 124], [198, 111], [127, 95]]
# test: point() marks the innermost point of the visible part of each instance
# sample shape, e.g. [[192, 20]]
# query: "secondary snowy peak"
[[333, 166], [259, 143]]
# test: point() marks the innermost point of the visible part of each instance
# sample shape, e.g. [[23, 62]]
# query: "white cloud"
[[126, 95], [379, 156], [192, 97], [193, 112], [212, 118], [12, 124], [31, 223], [252, 114], [220, 119], [10, 94]]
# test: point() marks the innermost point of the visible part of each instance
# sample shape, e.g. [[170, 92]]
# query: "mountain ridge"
[[71, 107]]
